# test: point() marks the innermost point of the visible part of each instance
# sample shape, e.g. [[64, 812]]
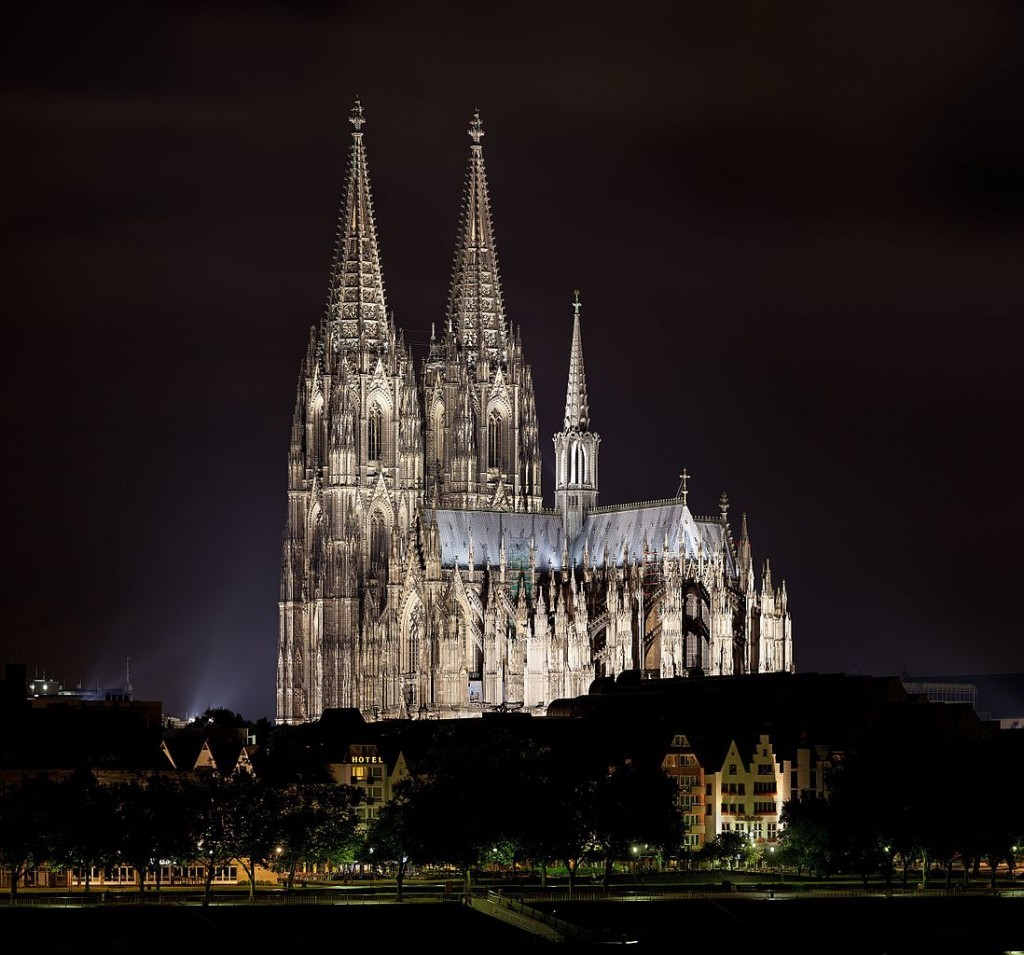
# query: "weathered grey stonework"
[[420, 574]]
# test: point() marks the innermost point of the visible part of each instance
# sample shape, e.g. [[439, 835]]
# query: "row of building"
[[737, 747]]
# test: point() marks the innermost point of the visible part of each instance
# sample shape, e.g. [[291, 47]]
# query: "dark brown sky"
[[798, 235]]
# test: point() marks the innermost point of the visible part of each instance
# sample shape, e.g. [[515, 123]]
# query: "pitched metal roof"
[[624, 530]]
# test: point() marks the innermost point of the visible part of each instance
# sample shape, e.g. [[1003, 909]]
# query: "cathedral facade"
[[421, 575]]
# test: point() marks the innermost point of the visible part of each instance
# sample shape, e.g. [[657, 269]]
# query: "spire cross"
[[356, 116], [476, 128], [684, 477], [576, 303]]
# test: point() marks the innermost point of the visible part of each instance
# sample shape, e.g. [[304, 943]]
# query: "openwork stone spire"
[[576, 446], [356, 306], [476, 313], [577, 412]]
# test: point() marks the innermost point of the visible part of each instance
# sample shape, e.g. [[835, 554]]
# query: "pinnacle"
[[577, 412]]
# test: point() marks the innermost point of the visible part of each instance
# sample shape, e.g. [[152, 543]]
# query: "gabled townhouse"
[[683, 766], [225, 750], [745, 794]]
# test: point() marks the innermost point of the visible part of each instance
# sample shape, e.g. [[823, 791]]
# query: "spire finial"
[[723, 506], [476, 128], [683, 478], [356, 117], [576, 303]]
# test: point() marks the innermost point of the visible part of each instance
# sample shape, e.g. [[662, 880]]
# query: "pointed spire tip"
[[577, 413]]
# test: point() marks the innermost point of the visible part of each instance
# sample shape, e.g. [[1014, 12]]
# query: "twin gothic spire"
[[356, 305], [479, 435]]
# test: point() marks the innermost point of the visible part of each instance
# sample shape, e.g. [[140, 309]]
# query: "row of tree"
[[519, 802], [893, 809], [202, 817], [500, 797], [501, 800]]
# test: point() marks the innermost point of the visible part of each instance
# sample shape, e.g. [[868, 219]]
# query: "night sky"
[[798, 236]]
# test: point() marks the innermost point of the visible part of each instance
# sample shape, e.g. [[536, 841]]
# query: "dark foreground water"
[[872, 926]]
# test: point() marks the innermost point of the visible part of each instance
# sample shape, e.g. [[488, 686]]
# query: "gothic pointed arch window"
[[412, 633], [315, 439], [578, 465], [374, 434], [495, 442], [379, 546], [437, 427]]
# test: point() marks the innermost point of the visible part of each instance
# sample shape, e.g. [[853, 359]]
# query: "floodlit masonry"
[[421, 577]]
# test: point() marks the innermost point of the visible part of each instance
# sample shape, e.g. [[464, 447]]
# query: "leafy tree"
[[634, 805], [257, 807], [731, 847], [28, 814], [316, 822], [213, 804], [391, 837], [509, 850], [443, 823], [88, 835], [153, 824], [564, 810], [855, 838], [806, 841], [480, 792]]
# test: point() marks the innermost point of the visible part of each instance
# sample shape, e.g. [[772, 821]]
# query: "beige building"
[[754, 781], [746, 794]]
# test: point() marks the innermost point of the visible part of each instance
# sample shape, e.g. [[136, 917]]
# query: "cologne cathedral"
[[421, 575]]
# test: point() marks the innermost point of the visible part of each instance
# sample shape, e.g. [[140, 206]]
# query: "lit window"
[[374, 434], [495, 458]]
